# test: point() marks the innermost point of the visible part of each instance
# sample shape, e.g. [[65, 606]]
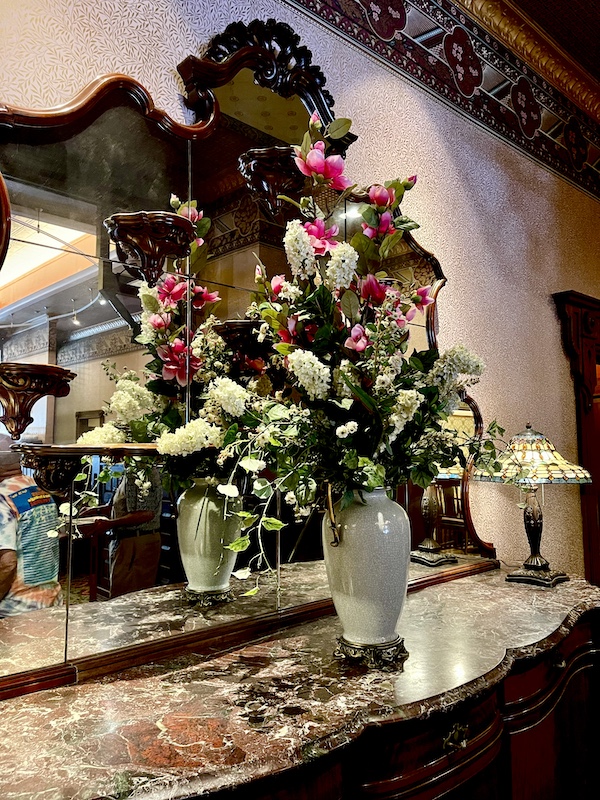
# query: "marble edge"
[[447, 700]]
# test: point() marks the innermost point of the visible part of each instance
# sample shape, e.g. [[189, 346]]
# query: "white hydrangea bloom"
[[341, 268], [404, 409], [102, 435], [312, 375], [298, 250], [452, 364], [131, 401], [229, 395], [196, 435]]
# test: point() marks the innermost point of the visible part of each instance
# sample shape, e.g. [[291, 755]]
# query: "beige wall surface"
[[507, 232]]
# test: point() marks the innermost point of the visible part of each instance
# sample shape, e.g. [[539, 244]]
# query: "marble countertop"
[[37, 639], [196, 724]]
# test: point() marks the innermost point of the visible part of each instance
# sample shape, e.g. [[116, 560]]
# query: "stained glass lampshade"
[[529, 460]]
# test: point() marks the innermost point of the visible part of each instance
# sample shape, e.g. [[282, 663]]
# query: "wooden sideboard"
[[499, 699]]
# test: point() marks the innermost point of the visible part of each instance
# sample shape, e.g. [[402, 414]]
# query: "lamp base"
[[430, 558], [537, 577]]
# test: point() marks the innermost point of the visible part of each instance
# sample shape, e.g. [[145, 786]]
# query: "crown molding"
[[517, 32]]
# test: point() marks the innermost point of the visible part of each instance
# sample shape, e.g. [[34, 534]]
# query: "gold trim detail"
[[529, 42]]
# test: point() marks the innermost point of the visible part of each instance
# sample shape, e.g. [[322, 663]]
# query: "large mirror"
[[67, 298]]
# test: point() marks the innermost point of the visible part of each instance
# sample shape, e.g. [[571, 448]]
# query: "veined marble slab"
[[193, 724]]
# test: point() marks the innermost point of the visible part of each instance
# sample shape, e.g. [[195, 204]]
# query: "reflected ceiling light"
[[75, 320], [529, 460]]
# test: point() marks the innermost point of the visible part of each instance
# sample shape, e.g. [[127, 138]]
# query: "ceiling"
[[574, 26]]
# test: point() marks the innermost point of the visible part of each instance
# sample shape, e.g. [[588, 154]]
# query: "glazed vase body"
[[202, 532], [368, 570]]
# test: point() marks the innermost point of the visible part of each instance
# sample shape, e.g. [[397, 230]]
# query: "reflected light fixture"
[[74, 318], [529, 460]]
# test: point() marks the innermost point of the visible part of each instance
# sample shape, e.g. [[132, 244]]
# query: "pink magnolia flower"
[[385, 226], [277, 282], [321, 239], [174, 357], [371, 289], [159, 321], [403, 319], [191, 213], [201, 296], [380, 196], [315, 119], [357, 340], [421, 298], [410, 182], [171, 291], [316, 165], [288, 334]]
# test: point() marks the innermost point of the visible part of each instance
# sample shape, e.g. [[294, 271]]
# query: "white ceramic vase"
[[367, 572], [203, 530]]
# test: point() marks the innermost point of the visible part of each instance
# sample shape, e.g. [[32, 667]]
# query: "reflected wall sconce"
[[531, 460]]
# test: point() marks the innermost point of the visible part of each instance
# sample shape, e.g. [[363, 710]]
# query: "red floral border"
[[436, 45]]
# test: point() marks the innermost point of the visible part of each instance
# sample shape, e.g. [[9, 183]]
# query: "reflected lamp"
[[531, 460]]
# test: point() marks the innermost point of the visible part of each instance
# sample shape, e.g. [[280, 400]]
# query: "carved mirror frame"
[[273, 52]]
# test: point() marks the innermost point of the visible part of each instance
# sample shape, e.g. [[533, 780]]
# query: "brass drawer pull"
[[457, 738]]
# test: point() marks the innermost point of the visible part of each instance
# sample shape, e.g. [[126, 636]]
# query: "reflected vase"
[[206, 523], [367, 553]]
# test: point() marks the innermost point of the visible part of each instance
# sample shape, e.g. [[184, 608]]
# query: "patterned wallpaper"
[[507, 232]]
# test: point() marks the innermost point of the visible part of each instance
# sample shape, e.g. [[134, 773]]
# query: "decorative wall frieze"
[[504, 21], [485, 61], [101, 345]]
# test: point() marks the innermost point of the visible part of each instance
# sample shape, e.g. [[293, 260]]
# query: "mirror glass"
[[66, 298]]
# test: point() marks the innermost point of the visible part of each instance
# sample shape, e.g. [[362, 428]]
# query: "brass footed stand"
[[387, 656]]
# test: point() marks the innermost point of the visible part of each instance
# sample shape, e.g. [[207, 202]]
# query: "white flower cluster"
[[229, 396], [211, 349], [290, 292], [343, 431], [102, 435], [148, 297], [312, 375], [404, 409], [196, 435], [341, 268], [340, 387], [454, 370], [452, 364], [130, 401], [298, 249]]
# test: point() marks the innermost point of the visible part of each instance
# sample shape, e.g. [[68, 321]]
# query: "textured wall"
[[506, 232]]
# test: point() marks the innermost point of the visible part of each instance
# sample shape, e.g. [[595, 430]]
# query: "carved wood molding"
[[506, 22], [4, 220], [105, 91], [273, 52]]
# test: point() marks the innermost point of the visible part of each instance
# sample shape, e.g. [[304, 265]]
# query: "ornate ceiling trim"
[[490, 65], [528, 41]]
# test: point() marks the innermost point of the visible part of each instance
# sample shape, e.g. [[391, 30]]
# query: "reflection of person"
[[134, 553], [28, 556]]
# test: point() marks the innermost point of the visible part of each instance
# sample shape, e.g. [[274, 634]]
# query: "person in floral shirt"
[[28, 554]]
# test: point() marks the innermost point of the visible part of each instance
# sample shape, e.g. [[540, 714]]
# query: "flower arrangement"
[[335, 402]]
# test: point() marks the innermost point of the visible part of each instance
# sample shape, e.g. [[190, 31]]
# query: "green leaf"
[[364, 398], [350, 306], [250, 592], [306, 143], [285, 348], [370, 216], [262, 488], [347, 499], [81, 476], [405, 224], [231, 434], [338, 128], [139, 430], [272, 524], [239, 545]]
